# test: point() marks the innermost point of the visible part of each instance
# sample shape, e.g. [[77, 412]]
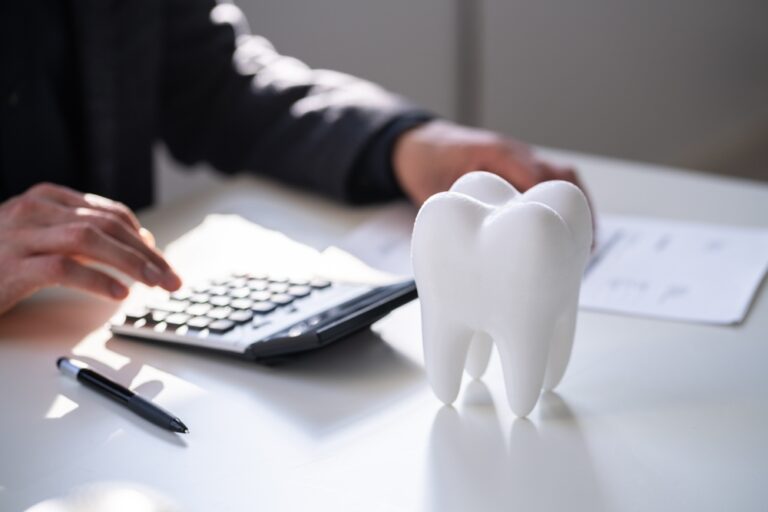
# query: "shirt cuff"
[[373, 177]]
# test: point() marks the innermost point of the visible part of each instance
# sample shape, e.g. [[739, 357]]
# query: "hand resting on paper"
[[429, 158]]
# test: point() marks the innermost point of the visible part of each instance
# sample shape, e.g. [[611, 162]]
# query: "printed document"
[[642, 266], [675, 270]]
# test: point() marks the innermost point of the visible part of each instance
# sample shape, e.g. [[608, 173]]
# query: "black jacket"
[[188, 73]]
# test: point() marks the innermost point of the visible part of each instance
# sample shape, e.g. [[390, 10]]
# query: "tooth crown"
[[493, 266]]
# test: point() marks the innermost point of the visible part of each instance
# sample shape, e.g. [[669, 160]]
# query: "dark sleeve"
[[229, 99], [373, 175]]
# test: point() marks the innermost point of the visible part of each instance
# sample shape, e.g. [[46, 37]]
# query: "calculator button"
[[198, 322], [219, 313], [319, 283], [260, 296], [220, 301], [241, 316], [137, 313], [281, 299], [200, 298], [278, 279], [240, 293], [263, 307], [218, 290], [158, 316], [258, 284], [177, 319], [171, 306], [299, 291], [237, 282], [241, 303], [198, 309], [220, 326], [278, 287], [181, 295]]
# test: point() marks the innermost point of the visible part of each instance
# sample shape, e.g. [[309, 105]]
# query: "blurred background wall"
[[680, 82]]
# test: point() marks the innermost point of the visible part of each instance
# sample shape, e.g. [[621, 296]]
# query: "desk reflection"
[[541, 465]]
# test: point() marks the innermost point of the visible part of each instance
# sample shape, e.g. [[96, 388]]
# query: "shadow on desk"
[[318, 391], [55, 407], [542, 465]]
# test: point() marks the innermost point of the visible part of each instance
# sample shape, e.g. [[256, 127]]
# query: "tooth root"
[[524, 353], [560, 349], [479, 354], [445, 352]]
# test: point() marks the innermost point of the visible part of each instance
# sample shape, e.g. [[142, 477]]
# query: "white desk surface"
[[651, 415]]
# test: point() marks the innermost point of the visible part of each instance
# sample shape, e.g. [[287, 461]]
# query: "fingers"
[[68, 197], [141, 241], [49, 233], [551, 171], [54, 269], [107, 205], [51, 205], [85, 240], [429, 158], [516, 166]]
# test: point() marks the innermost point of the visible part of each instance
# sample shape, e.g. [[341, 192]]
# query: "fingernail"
[[152, 274], [118, 291]]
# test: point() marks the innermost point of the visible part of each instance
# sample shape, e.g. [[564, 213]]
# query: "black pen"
[[115, 391]]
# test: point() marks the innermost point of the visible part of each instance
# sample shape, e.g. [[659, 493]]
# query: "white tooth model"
[[493, 265]]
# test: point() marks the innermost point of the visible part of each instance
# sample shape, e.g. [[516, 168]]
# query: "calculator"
[[261, 316]]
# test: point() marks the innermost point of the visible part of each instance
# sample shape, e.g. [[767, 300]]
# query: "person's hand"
[[430, 157], [49, 233]]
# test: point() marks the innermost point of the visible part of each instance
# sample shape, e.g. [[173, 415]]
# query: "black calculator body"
[[260, 316]]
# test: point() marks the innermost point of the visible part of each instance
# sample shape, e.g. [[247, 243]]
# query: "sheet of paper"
[[643, 266], [675, 270], [384, 241], [227, 243]]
